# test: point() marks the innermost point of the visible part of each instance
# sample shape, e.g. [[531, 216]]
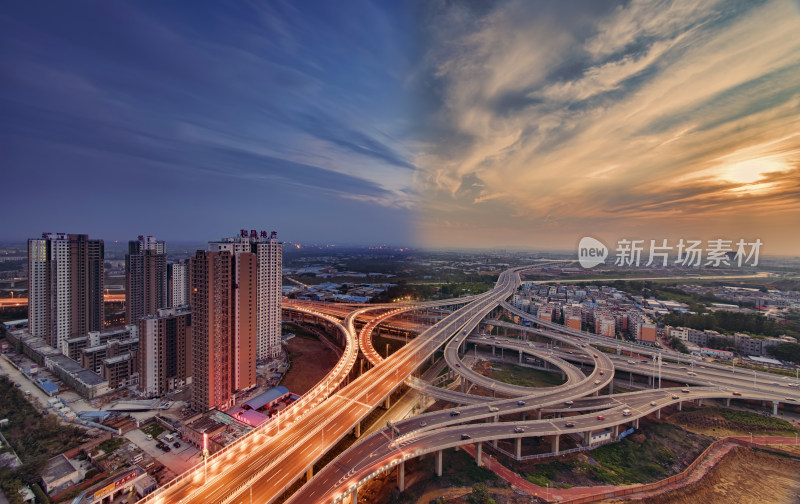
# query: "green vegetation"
[[111, 445], [35, 438], [786, 352], [635, 460], [734, 420], [677, 344], [547, 471], [153, 428], [426, 291], [525, 377], [480, 494], [726, 322], [461, 470]]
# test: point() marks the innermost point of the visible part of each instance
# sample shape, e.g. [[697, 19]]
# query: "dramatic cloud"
[[276, 114], [644, 119]]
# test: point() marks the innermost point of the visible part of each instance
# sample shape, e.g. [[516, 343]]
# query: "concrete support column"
[[611, 387], [518, 448], [728, 402], [401, 476], [680, 406], [310, 473], [388, 402], [355, 496], [493, 349], [538, 414], [520, 356], [616, 431], [439, 463], [636, 423], [357, 432], [479, 454], [596, 393], [554, 445], [775, 408], [658, 414], [587, 437]]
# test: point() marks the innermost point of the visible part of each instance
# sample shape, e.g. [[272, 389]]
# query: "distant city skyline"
[[509, 124]]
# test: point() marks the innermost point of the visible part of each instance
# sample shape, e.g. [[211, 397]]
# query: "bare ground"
[[311, 360], [743, 476]]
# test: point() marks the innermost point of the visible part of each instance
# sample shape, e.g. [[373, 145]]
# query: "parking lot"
[[177, 460]]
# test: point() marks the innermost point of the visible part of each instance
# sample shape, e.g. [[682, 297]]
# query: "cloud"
[[633, 120]]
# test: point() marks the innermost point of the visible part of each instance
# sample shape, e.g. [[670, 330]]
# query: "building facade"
[[177, 284], [165, 351], [145, 278], [66, 281]]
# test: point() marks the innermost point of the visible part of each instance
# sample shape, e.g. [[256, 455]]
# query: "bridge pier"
[[775, 408], [554, 444], [538, 414], [388, 402], [616, 432], [699, 402], [680, 405], [439, 463], [401, 476], [728, 402], [611, 387], [518, 448], [355, 496], [520, 356], [587, 437], [658, 414], [310, 473], [493, 350], [479, 454], [357, 430], [636, 423]]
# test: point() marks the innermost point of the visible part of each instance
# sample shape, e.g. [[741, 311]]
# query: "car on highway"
[[569, 424], [423, 424], [597, 382], [685, 390], [675, 396], [737, 393], [602, 372], [493, 408], [626, 412], [594, 355], [519, 430], [465, 436], [455, 413], [520, 403], [601, 417], [458, 365], [652, 403], [569, 403]]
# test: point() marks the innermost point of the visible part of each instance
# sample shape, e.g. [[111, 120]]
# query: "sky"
[[525, 124]]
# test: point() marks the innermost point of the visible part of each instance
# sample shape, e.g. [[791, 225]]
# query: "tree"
[[480, 494], [786, 352]]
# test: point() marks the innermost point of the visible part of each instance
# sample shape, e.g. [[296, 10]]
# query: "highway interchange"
[[268, 461]]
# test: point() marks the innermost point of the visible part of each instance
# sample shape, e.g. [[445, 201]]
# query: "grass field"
[[525, 377]]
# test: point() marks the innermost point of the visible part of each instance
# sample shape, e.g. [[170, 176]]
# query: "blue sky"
[[477, 124], [191, 120]]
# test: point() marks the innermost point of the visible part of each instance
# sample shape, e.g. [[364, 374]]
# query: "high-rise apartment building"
[[223, 304], [66, 280], [145, 278], [165, 351], [269, 256], [177, 284]]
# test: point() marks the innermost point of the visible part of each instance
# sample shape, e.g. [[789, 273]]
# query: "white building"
[[177, 284], [269, 254]]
